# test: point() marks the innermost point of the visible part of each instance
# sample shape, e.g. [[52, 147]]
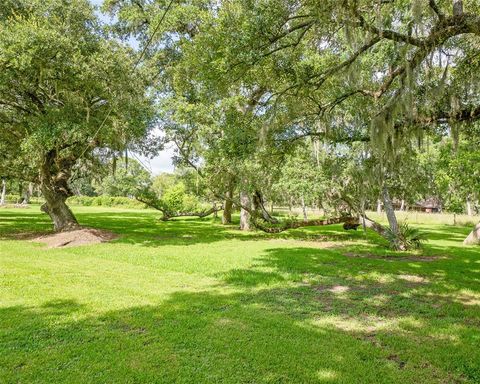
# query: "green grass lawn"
[[192, 301]]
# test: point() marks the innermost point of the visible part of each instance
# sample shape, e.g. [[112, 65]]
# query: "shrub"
[[408, 237], [105, 201], [14, 199]]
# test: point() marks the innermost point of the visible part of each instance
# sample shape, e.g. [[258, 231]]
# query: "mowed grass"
[[192, 301]]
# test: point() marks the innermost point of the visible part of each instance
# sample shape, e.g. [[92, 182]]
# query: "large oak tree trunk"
[[61, 215], [228, 208], [244, 214], [474, 237], [54, 178]]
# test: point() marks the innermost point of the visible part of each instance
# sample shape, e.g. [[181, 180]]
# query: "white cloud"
[[159, 164]]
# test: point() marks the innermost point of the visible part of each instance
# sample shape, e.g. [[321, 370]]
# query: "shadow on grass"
[[309, 333], [302, 314], [146, 229]]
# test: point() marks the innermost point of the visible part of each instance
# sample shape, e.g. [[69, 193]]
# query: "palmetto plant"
[[408, 237]]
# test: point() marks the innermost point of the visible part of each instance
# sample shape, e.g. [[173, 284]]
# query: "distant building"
[[430, 205]]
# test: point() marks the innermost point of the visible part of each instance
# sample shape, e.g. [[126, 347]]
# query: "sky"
[[161, 163]]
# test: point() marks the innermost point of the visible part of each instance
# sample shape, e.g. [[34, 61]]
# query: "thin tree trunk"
[[402, 205], [244, 214], [469, 207], [304, 210], [474, 237], [389, 210], [457, 7], [392, 219], [227, 208], [4, 192], [379, 207]]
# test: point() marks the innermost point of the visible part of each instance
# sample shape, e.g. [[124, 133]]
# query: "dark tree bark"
[[54, 176], [62, 217], [259, 208]]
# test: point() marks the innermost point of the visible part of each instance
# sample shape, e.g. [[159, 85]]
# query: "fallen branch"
[[373, 225], [170, 215], [154, 202], [348, 221]]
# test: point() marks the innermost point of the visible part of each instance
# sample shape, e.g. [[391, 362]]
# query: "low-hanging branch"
[[349, 222], [200, 214], [153, 202]]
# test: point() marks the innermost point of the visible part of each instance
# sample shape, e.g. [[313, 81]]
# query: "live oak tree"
[[381, 72], [393, 59], [66, 91]]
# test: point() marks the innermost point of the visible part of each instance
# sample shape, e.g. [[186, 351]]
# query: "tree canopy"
[[67, 90]]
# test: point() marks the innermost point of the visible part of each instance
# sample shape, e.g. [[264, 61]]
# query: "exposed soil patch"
[[393, 257], [84, 236]]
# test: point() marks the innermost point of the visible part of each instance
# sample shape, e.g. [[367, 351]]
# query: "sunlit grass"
[[192, 301]]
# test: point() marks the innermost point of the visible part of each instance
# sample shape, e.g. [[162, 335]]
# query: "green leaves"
[[64, 84]]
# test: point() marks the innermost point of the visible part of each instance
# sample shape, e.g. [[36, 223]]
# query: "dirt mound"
[[75, 238]]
